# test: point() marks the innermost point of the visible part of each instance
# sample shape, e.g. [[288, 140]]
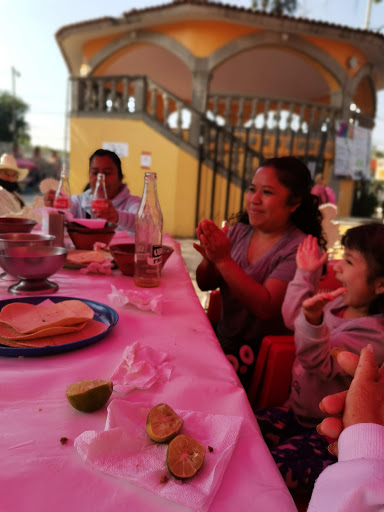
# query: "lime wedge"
[[185, 456], [89, 395], [163, 424]]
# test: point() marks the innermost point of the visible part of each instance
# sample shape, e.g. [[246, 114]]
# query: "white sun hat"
[[8, 163]]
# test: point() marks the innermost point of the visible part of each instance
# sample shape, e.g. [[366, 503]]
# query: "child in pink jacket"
[[347, 318]]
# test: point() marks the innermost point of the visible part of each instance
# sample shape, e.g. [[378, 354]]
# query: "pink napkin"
[[91, 223], [124, 450], [98, 268], [140, 368]]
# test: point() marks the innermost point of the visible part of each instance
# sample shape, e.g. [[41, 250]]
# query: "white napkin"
[[140, 368], [124, 450], [142, 299]]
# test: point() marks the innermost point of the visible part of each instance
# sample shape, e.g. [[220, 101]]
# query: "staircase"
[[229, 140]]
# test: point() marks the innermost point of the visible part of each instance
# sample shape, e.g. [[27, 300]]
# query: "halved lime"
[[163, 424], [185, 456], [89, 395]]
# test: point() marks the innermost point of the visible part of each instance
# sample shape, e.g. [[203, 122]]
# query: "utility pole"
[[14, 74], [367, 14]]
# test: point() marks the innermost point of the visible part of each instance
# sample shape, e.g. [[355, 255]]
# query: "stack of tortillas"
[[47, 324], [80, 258]]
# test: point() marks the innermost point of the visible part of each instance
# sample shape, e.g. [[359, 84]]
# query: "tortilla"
[[7, 332], [27, 318], [85, 257], [92, 328]]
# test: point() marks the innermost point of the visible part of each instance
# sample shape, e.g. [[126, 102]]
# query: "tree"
[[13, 109], [276, 6]]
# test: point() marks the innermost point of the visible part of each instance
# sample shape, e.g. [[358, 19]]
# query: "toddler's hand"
[[314, 306], [307, 257]]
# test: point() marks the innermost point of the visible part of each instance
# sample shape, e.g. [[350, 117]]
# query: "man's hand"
[[362, 403], [49, 198]]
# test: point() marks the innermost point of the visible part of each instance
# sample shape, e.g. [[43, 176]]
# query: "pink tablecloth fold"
[[140, 368], [124, 450]]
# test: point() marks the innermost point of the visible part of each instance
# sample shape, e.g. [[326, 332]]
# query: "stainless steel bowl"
[[22, 240], [16, 225], [32, 265]]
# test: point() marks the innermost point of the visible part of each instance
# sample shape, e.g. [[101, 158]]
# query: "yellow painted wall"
[[176, 169]]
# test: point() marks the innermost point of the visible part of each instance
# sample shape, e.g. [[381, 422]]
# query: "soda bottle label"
[[155, 257], [99, 204], [61, 202]]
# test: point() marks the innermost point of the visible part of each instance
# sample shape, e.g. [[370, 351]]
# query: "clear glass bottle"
[[99, 198], [62, 200], [148, 236]]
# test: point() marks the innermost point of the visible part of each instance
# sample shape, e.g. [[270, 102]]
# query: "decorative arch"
[[143, 36], [362, 85], [334, 74]]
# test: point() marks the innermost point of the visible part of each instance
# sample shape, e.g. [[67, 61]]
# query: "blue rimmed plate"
[[103, 314]]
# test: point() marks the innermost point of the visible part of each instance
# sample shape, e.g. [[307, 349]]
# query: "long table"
[[39, 473]]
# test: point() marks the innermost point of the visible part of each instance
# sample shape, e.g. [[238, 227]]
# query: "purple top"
[[237, 323]]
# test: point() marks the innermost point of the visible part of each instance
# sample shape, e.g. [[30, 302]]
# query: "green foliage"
[[13, 109], [275, 6]]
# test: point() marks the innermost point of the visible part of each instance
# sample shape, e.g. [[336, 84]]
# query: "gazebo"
[[200, 92]]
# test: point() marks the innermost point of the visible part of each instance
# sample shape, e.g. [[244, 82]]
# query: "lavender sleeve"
[[302, 287], [356, 482]]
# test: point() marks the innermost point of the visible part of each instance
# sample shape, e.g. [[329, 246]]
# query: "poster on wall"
[[352, 151], [120, 148]]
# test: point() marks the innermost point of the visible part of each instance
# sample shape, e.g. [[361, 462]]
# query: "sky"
[[27, 42]]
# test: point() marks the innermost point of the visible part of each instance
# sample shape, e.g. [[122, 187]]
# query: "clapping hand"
[[314, 306], [307, 256], [362, 403], [214, 243]]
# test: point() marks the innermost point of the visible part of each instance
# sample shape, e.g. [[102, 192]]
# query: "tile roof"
[[227, 8]]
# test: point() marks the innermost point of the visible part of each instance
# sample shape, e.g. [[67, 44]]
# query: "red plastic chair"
[[271, 381], [214, 306]]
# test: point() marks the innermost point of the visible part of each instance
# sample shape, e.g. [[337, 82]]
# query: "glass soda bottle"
[[148, 236], [62, 200], [99, 198]]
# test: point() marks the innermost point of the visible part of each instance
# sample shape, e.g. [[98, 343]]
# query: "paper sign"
[[145, 160], [352, 151], [120, 148]]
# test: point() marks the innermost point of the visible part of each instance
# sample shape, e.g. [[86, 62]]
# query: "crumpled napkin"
[[124, 450], [98, 268], [140, 368], [142, 299]]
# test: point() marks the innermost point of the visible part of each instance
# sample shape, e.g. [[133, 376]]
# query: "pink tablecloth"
[[39, 473]]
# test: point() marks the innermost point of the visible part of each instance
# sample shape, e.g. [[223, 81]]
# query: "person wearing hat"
[[10, 175]]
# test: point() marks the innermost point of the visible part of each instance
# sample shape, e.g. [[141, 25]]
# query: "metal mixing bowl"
[[32, 265], [16, 225], [24, 239]]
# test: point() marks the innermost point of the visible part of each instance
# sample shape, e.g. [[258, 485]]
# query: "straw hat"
[[8, 162]]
